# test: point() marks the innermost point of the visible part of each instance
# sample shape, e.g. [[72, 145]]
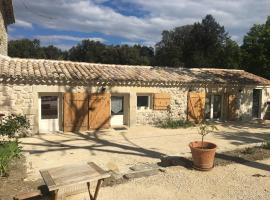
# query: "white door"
[[48, 113], [117, 110]]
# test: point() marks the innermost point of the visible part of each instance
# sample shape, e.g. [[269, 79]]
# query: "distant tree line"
[[202, 44]]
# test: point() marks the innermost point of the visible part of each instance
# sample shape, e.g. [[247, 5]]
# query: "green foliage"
[[25, 48], [174, 124], [96, 52], [12, 124], [8, 151], [256, 50], [249, 150], [203, 44], [266, 144], [204, 128]]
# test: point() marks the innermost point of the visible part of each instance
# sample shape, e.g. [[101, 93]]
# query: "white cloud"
[[58, 38], [91, 16], [22, 23]]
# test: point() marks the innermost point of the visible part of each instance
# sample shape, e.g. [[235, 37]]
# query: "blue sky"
[[64, 23]]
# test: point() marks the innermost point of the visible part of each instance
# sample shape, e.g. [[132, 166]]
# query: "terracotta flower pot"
[[203, 158]]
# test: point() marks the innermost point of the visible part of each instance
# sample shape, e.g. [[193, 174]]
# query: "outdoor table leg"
[[89, 191], [56, 195], [96, 190]]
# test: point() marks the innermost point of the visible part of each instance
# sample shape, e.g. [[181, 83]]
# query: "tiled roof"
[[38, 71]]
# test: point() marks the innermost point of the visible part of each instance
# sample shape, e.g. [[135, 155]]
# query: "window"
[[143, 102], [117, 105], [213, 106], [49, 108]]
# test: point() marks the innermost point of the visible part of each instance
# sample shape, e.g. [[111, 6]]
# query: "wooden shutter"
[[196, 106], [99, 111], [161, 101], [232, 107], [75, 112]]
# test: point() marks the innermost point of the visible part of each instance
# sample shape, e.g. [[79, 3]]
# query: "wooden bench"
[[35, 194]]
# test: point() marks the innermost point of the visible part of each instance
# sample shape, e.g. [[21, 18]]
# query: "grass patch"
[[8, 151], [174, 124]]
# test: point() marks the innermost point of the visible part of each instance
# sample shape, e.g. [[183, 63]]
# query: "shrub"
[[8, 151], [12, 124], [204, 128], [173, 124], [249, 150], [266, 144]]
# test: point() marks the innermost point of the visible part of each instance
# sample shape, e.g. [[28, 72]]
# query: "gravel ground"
[[235, 181], [119, 149]]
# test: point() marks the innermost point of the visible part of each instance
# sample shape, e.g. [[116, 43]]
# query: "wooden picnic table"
[[58, 179]]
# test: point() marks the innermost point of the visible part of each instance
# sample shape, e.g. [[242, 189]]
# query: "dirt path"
[[231, 182]]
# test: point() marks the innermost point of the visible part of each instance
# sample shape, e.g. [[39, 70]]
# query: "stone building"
[[71, 96]]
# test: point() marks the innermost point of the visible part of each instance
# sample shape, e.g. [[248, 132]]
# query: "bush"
[[249, 150], [173, 124], [266, 144], [8, 151], [12, 124]]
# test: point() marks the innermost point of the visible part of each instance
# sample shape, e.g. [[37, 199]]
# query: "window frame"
[[150, 101]]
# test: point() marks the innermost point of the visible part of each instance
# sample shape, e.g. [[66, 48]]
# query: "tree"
[[203, 44], [52, 52], [87, 51], [96, 52], [170, 50], [256, 50], [25, 48]]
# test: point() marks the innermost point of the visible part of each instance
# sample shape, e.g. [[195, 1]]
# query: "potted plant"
[[203, 153]]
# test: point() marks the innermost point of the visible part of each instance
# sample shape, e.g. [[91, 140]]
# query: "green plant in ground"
[[173, 124], [12, 124], [266, 144], [205, 128], [249, 150], [8, 151]]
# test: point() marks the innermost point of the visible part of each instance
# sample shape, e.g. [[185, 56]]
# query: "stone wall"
[[18, 100], [23, 99], [3, 34], [177, 107]]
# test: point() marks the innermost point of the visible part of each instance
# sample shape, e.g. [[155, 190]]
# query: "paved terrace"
[[117, 149]]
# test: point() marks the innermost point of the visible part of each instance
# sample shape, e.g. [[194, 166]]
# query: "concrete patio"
[[117, 149]]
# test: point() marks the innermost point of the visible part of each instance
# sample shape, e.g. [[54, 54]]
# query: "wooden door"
[[232, 107], [99, 111], [196, 106], [75, 112]]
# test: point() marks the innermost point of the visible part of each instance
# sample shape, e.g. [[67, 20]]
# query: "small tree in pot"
[[203, 153]]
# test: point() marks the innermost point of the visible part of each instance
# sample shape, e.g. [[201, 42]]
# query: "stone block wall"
[[18, 99], [178, 107], [3, 35]]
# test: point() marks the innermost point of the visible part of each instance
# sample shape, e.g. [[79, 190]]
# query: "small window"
[[143, 102], [49, 108]]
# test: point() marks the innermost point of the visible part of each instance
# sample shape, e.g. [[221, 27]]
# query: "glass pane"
[[142, 101], [217, 106], [207, 106], [256, 103], [49, 107], [117, 105]]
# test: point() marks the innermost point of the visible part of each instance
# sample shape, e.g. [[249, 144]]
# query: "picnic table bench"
[[69, 180], [66, 179]]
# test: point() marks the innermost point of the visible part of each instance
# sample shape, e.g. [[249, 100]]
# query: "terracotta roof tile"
[[45, 71]]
